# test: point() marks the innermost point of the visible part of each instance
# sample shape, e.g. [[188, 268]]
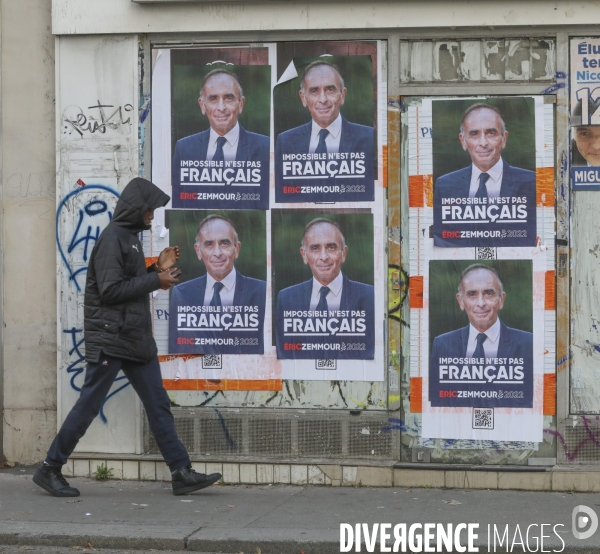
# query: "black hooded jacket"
[[117, 317]]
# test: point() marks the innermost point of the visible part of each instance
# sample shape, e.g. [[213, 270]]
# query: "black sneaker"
[[186, 480], [51, 479]]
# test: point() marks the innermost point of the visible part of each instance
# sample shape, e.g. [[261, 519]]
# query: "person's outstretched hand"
[[167, 258]]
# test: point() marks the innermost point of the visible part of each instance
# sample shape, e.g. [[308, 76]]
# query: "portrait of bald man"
[[324, 249], [323, 93], [481, 296], [221, 101], [217, 246], [484, 136]]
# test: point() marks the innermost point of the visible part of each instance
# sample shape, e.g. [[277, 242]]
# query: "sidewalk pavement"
[[266, 519]]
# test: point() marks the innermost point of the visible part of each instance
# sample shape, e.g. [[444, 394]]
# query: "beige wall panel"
[[28, 200], [123, 16]]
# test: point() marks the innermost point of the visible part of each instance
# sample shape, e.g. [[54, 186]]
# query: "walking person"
[[118, 335]]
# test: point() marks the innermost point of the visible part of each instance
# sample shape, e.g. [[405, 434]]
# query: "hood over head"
[[137, 197]]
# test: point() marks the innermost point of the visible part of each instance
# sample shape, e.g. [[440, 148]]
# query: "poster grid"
[[206, 335], [454, 406]]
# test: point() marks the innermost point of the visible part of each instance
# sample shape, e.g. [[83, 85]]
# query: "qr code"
[[483, 418], [211, 361], [486, 253], [325, 364]]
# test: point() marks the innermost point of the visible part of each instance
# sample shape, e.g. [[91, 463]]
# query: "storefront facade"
[[393, 387]]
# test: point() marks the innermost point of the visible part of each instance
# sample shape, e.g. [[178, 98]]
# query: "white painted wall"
[[100, 147], [124, 16]]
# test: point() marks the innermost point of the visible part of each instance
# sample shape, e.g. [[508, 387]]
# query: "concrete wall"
[[29, 254], [123, 16], [29, 168]]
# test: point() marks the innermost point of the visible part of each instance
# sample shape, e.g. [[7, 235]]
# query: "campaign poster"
[[481, 333], [585, 113], [218, 307], [325, 126], [484, 172], [323, 284], [220, 129]]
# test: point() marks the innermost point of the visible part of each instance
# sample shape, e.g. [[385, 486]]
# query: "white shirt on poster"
[[493, 183], [334, 296], [229, 148], [332, 140], [490, 345], [227, 291]]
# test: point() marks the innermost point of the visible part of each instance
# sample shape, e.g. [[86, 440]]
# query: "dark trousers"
[[146, 379]]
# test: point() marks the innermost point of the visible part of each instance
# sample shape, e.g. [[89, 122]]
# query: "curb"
[[268, 540]]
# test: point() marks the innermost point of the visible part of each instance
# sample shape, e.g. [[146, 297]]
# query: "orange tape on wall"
[[223, 384], [550, 292], [428, 190], [549, 394], [171, 357], [544, 186], [385, 166], [415, 291], [415, 191], [416, 395]]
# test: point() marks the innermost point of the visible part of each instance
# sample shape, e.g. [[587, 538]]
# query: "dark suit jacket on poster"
[[355, 138], [355, 297], [516, 182], [513, 343], [248, 292], [251, 147]]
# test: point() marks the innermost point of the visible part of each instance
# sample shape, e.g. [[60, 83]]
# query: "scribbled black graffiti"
[[397, 302], [99, 121]]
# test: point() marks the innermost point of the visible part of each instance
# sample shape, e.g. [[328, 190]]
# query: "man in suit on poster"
[[481, 295], [324, 250], [217, 246], [483, 135], [323, 93], [221, 101]]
